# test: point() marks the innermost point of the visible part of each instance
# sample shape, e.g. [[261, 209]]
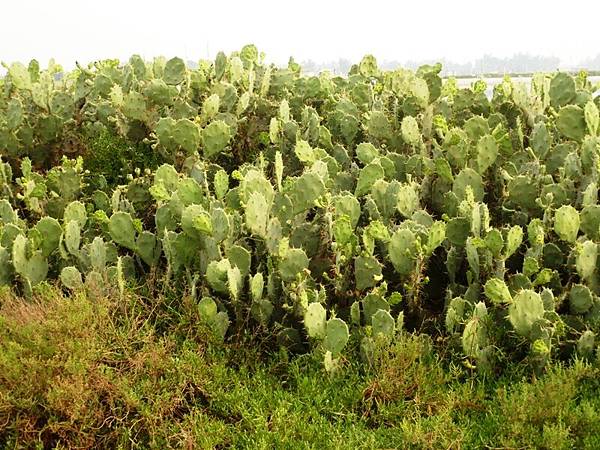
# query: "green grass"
[[98, 373]]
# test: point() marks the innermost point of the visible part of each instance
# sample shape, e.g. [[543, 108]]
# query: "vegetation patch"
[[242, 255]]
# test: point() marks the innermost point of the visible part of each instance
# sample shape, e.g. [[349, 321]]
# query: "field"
[[242, 256]]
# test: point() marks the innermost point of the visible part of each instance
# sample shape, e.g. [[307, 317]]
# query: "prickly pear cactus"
[[383, 324], [487, 152], [410, 131], [315, 320], [471, 180], [367, 272], [31, 266], [72, 237], [398, 191], [562, 90], [580, 299], [50, 231], [525, 311], [474, 338], [215, 138], [257, 214], [566, 223], [408, 200], [186, 135], [587, 256], [336, 336], [497, 291], [174, 72], [216, 320], [71, 278], [122, 230], [293, 264], [586, 345], [403, 252]]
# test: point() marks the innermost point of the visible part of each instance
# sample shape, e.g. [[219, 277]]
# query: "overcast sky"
[[323, 30]]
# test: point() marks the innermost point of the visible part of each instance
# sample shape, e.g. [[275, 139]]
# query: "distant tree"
[[487, 64]]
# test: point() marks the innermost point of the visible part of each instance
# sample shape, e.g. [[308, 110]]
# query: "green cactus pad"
[[207, 309], [514, 239], [234, 282], [336, 336], [497, 291], [174, 72], [164, 132], [148, 248], [304, 152], [122, 229], [435, 236], [368, 176], [159, 92], [566, 223], [474, 338], [587, 256], [50, 230], [592, 118], [468, 178], [371, 304], [6, 270], [410, 131], [221, 184], [562, 90], [379, 127], [32, 268], [366, 152], [215, 138], [239, 257], [192, 219], [580, 299], [70, 277], [257, 214], [262, 310], [220, 223], [186, 134], [305, 191], [590, 221], [72, 237], [257, 285], [294, 262], [210, 107], [487, 152], [315, 320], [455, 314], [134, 106], [349, 206], [367, 272], [402, 251], [98, 254], [408, 199], [383, 323], [526, 309], [571, 122], [76, 211], [216, 275], [586, 344]]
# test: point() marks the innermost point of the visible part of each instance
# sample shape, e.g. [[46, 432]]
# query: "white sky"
[[321, 30]]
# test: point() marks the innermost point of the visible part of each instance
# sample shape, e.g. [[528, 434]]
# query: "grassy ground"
[[100, 373]]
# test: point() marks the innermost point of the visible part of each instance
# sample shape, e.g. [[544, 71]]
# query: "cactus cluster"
[[321, 208]]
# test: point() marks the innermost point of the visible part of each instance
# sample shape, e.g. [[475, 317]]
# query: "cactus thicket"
[[323, 208]]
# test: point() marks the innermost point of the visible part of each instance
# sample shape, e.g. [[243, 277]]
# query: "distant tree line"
[[487, 64]]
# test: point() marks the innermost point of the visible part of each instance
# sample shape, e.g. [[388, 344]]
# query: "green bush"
[[116, 157]]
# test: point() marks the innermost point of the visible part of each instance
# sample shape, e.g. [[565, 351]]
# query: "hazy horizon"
[[461, 32]]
